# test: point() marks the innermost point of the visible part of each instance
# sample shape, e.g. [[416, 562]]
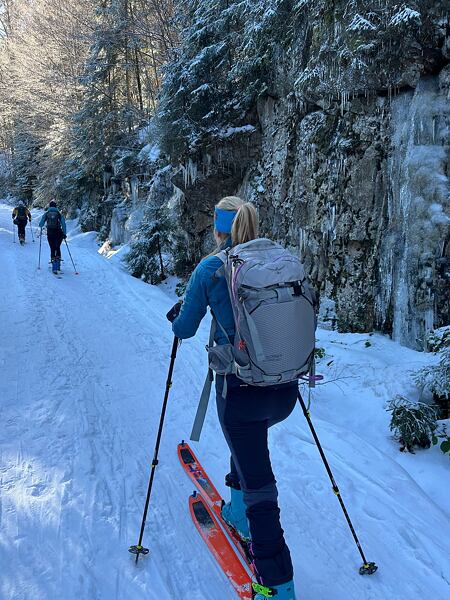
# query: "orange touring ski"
[[220, 547], [205, 486], [199, 477], [225, 544]]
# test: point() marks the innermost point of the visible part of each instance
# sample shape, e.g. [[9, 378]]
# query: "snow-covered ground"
[[83, 364]]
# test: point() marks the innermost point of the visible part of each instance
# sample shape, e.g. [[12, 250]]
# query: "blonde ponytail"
[[245, 225]]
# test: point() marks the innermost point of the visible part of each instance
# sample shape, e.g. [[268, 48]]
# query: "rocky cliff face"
[[348, 165], [362, 191], [346, 155]]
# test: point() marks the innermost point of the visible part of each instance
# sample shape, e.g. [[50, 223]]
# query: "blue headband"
[[223, 219]]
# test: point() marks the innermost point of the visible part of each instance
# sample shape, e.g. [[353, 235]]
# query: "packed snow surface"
[[83, 365]]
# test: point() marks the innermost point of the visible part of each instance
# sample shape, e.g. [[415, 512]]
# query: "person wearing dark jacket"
[[56, 233], [20, 216], [245, 413]]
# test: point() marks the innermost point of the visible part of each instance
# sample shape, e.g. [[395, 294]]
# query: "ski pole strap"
[[206, 392], [312, 371]]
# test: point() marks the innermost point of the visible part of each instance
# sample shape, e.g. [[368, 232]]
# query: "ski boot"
[[54, 266], [58, 264], [233, 512], [285, 591]]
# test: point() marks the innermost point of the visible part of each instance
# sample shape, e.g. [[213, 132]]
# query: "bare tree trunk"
[[137, 66], [127, 69]]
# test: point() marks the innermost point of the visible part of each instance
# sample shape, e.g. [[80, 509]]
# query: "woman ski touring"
[[245, 411], [20, 216], [56, 233]]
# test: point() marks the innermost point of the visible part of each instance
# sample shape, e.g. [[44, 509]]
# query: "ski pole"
[[74, 267], [40, 246], [32, 235], [139, 549], [14, 233], [368, 568]]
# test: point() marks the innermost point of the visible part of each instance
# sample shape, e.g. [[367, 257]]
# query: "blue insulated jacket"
[[44, 218], [206, 288]]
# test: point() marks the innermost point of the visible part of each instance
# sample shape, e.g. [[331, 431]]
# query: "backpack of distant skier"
[[21, 213], [53, 220], [275, 319]]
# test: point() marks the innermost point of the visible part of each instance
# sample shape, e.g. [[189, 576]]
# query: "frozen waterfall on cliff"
[[416, 219]]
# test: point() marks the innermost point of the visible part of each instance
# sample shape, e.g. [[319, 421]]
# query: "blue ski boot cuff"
[[234, 514]]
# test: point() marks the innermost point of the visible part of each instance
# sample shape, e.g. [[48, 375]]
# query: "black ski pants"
[[245, 415], [54, 241], [21, 224]]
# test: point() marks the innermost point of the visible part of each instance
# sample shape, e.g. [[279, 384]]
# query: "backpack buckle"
[[298, 288]]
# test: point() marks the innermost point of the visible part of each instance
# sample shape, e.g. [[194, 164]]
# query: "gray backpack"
[[275, 319]]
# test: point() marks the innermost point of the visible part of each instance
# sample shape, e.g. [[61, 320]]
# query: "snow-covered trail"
[[83, 364]]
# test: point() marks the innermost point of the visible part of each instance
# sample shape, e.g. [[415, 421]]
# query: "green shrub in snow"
[[413, 424], [319, 353], [445, 443]]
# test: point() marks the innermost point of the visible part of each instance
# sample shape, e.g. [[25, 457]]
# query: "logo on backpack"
[[274, 313], [53, 220]]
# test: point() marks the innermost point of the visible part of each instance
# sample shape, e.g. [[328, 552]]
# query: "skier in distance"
[[56, 233], [20, 216]]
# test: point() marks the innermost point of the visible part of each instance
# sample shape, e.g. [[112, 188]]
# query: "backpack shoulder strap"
[[223, 255]]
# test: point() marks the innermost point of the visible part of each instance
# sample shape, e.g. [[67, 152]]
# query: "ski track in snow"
[[83, 364]]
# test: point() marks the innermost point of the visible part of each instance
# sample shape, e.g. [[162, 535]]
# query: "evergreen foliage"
[[350, 43], [229, 56], [77, 81], [438, 339], [225, 61], [436, 379], [413, 424], [105, 115], [25, 163], [151, 244], [41, 57]]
